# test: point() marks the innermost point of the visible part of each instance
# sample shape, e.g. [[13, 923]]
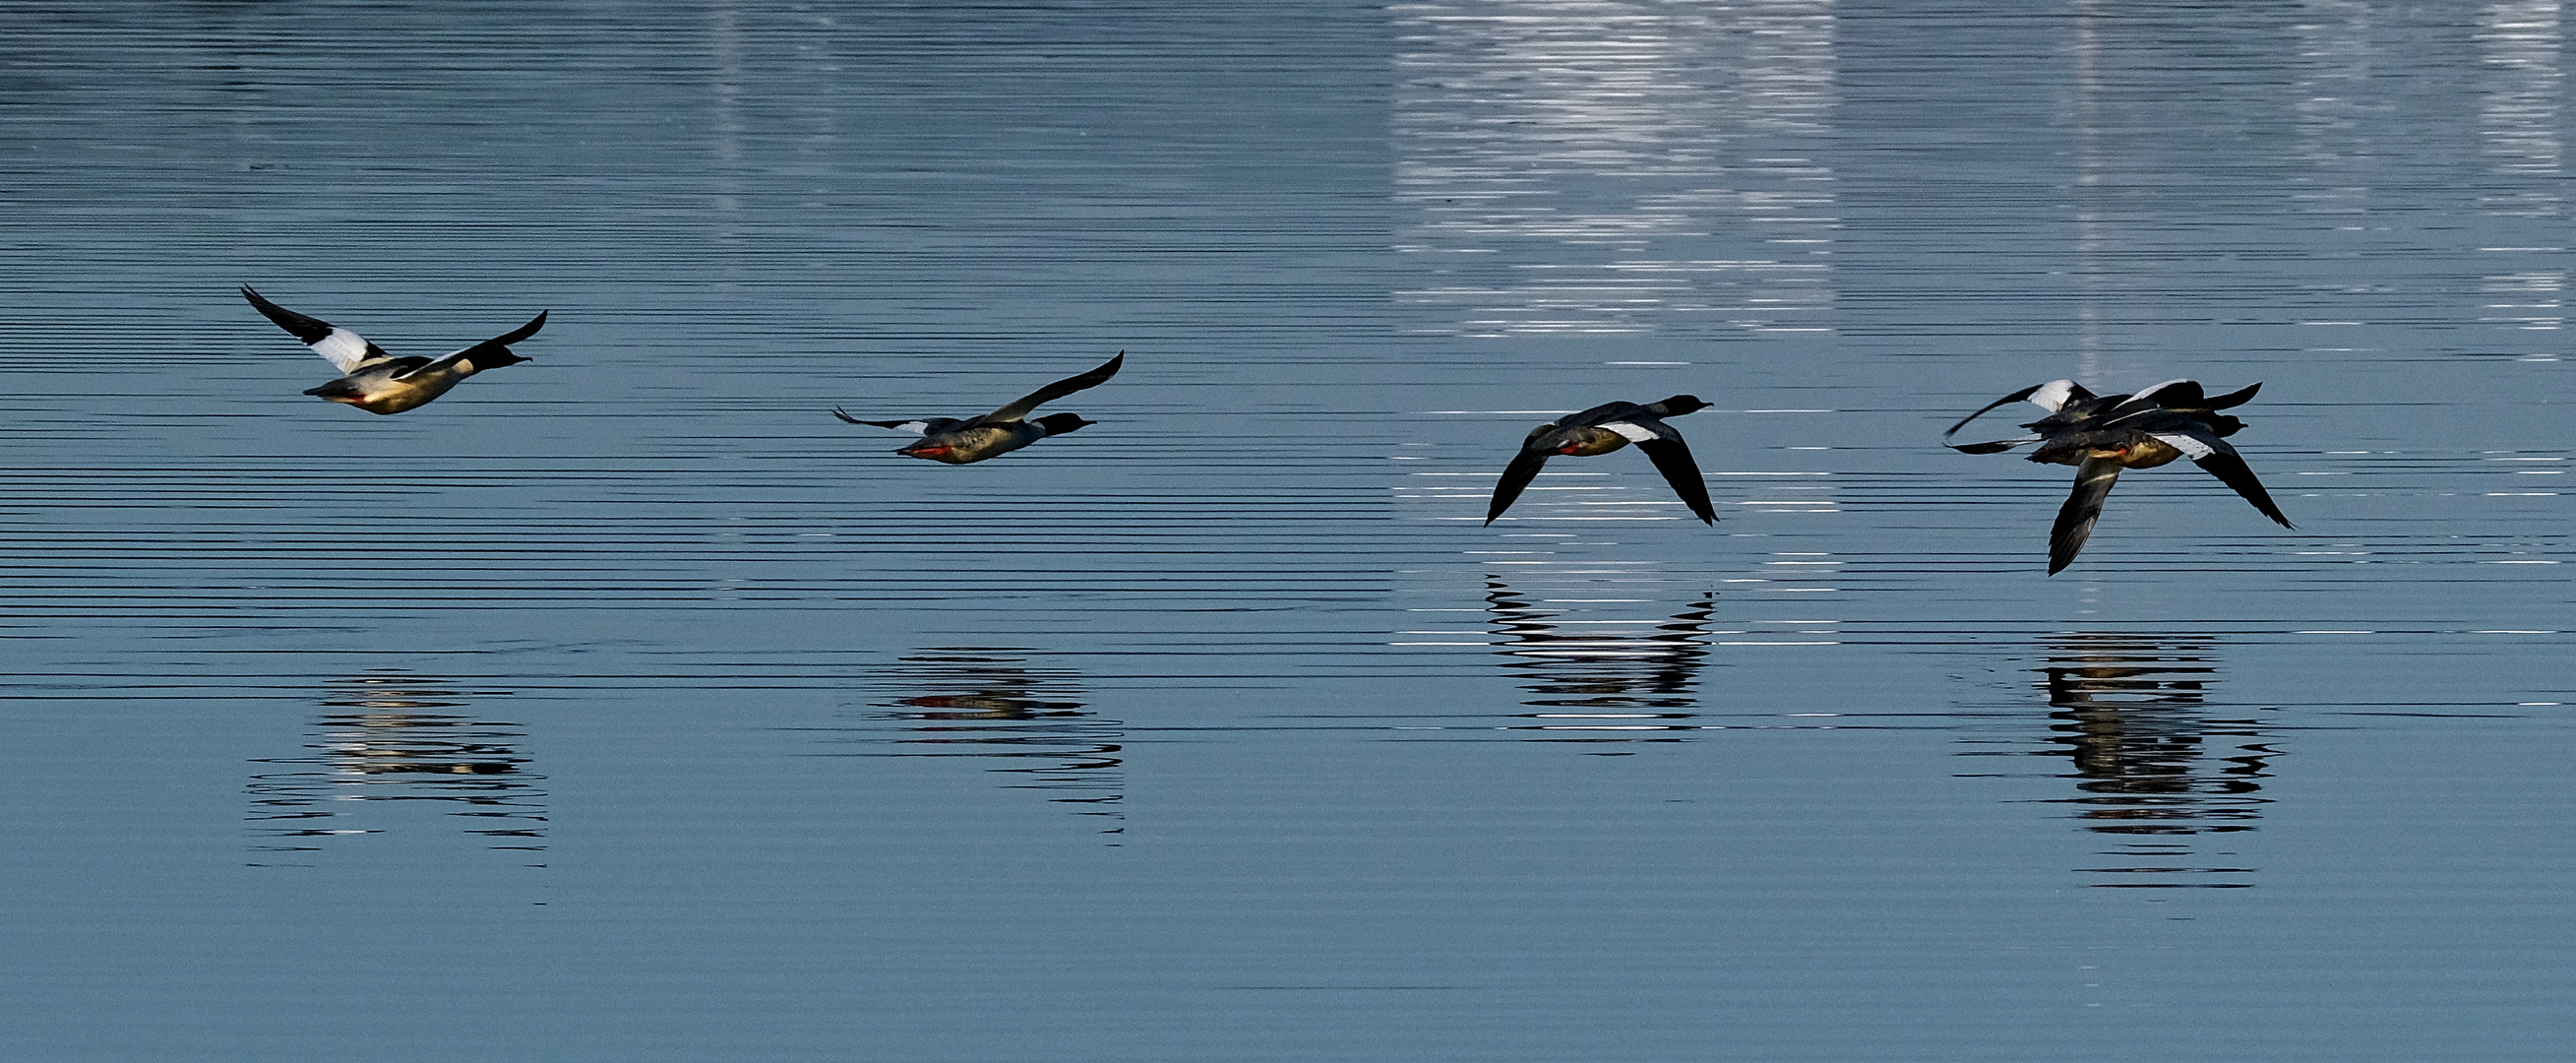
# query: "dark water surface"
[[624, 705]]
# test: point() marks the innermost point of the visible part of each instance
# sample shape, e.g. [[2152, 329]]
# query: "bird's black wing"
[[1516, 477], [2233, 398], [307, 329], [1672, 457], [2218, 459], [1988, 408], [345, 349], [2174, 395], [916, 426], [1996, 447], [2223, 462], [2093, 481], [496, 345], [2070, 407], [513, 336], [1019, 409]]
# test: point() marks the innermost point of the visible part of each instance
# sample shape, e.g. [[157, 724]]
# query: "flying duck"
[[2103, 434], [1606, 428], [1000, 432], [381, 383]]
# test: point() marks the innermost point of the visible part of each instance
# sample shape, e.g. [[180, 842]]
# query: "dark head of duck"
[[1682, 404], [1057, 424]]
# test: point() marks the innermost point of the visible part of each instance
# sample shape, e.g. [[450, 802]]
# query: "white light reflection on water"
[[1566, 164], [2518, 117]]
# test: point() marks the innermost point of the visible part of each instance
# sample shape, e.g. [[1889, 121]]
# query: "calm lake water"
[[625, 705]]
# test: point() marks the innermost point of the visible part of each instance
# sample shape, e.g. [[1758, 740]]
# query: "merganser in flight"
[[957, 442], [2103, 434], [1606, 428], [381, 383]]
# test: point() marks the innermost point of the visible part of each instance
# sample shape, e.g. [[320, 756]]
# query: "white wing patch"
[[915, 427], [2052, 396], [2149, 394], [342, 347], [2190, 447], [1632, 433]]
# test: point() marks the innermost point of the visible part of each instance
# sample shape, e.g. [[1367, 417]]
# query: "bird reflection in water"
[[987, 702], [2154, 769], [385, 741], [1601, 679]]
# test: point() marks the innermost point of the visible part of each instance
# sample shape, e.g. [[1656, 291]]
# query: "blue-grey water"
[[625, 705]]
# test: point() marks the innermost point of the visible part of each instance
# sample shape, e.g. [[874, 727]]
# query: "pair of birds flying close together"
[[2098, 434], [380, 383], [2103, 434]]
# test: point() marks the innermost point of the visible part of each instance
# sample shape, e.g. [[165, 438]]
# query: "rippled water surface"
[[626, 705]]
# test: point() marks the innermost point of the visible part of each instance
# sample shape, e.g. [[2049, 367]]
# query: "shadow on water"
[[988, 702], [384, 741], [2153, 768], [1601, 680]]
